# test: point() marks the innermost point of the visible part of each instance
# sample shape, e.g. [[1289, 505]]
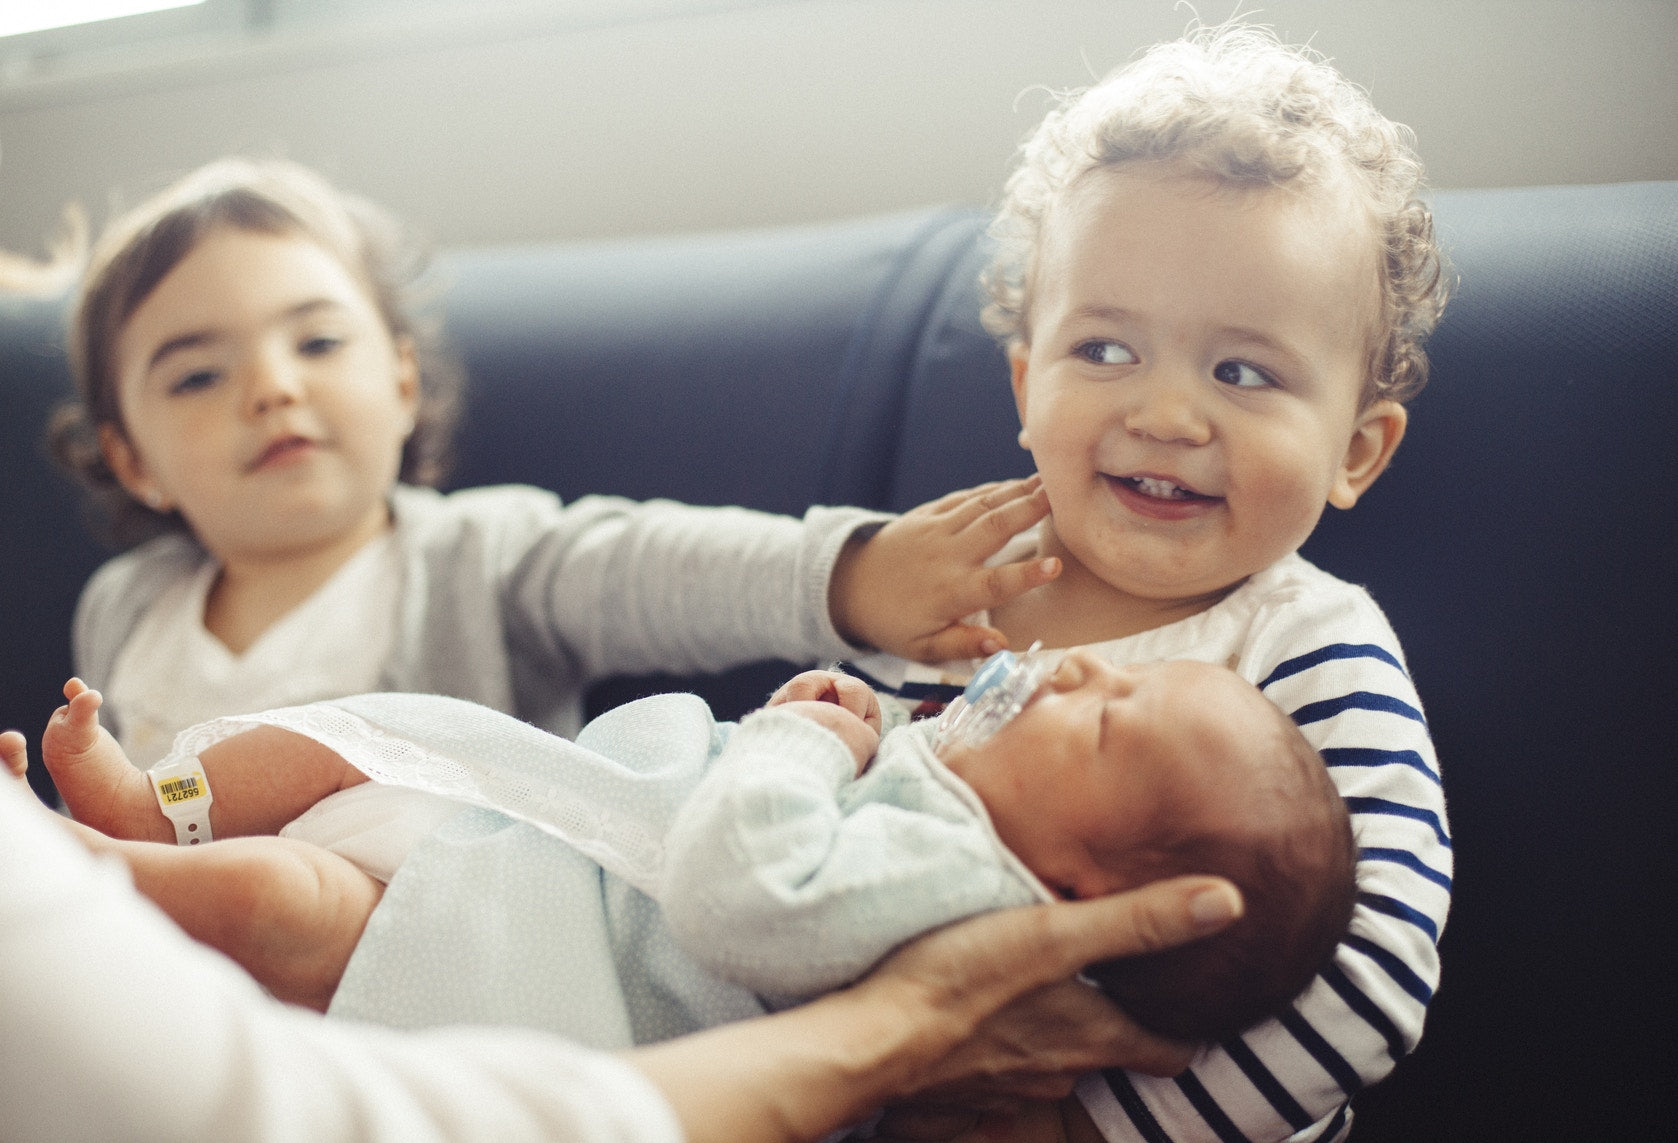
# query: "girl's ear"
[[1018, 354], [130, 470], [407, 378], [1374, 440]]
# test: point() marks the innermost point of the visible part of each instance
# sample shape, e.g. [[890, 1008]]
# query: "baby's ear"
[[1019, 353], [1374, 440]]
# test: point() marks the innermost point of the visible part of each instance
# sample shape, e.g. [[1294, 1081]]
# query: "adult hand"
[[1034, 1030], [987, 999]]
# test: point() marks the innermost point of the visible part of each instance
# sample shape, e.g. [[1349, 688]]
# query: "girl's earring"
[[153, 499], [1025, 440]]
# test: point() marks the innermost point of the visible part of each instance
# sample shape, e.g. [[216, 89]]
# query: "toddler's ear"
[[408, 378], [1374, 440], [1018, 355], [125, 464]]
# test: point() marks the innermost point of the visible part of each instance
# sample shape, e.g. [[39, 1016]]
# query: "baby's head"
[[1213, 280], [141, 248], [1112, 777]]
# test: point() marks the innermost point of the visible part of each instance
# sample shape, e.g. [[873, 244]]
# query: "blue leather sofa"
[[1523, 544]]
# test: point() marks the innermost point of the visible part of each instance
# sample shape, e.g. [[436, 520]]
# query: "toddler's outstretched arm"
[[261, 779], [907, 588]]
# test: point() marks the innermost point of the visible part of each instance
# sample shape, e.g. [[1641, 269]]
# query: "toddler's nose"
[[1165, 407], [271, 385]]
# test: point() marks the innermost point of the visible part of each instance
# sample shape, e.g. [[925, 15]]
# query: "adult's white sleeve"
[[115, 1025]]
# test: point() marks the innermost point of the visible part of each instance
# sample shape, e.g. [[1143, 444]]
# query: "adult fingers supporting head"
[[1036, 1047], [1013, 951], [1158, 916], [1002, 980]]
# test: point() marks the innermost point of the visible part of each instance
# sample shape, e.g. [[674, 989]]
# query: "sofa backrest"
[[1523, 543]]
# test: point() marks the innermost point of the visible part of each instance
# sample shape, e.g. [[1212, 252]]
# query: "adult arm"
[[170, 1041], [989, 997], [175, 1043]]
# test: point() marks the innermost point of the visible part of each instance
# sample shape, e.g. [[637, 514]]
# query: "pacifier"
[[999, 690]]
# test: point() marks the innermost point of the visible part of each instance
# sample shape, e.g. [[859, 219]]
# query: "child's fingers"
[[997, 585], [961, 498], [959, 641], [74, 687], [993, 505], [1010, 517]]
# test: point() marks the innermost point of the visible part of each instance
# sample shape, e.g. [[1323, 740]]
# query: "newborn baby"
[[754, 864]]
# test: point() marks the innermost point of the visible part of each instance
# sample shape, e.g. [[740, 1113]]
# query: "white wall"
[[806, 109]]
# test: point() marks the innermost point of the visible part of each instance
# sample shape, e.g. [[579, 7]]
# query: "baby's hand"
[[907, 588], [840, 702]]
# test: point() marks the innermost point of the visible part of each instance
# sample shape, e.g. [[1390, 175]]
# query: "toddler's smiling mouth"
[[1160, 499], [1159, 488]]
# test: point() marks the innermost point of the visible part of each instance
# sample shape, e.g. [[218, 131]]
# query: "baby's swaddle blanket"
[[532, 905]]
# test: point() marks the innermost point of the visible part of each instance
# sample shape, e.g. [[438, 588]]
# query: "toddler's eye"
[[1101, 351], [1064, 892], [1242, 375], [195, 381], [319, 346]]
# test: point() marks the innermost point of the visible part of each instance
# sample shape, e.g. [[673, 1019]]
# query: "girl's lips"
[[280, 452], [1158, 498]]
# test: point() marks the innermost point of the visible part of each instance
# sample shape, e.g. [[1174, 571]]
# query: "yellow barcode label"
[[176, 790]]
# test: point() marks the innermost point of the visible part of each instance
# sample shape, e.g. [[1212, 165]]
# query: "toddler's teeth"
[[1163, 489]]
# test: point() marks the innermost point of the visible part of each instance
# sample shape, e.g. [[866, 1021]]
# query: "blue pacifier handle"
[[994, 670], [998, 690]]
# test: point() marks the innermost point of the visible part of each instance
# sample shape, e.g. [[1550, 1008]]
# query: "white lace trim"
[[619, 842]]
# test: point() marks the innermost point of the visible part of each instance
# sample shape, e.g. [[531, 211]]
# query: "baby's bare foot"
[[94, 777]]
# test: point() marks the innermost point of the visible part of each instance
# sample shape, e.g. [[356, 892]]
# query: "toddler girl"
[[257, 404]]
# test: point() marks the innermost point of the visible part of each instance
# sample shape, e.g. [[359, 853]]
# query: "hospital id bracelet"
[[183, 794]]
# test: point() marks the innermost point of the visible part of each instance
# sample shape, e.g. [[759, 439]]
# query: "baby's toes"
[[14, 753]]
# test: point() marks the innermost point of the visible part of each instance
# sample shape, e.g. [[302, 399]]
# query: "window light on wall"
[[19, 17]]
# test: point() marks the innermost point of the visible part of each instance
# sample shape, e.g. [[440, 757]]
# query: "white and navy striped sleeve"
[[1329, 658]]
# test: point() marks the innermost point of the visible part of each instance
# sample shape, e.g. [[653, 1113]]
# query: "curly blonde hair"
[[139, 249], [1233, 104]]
